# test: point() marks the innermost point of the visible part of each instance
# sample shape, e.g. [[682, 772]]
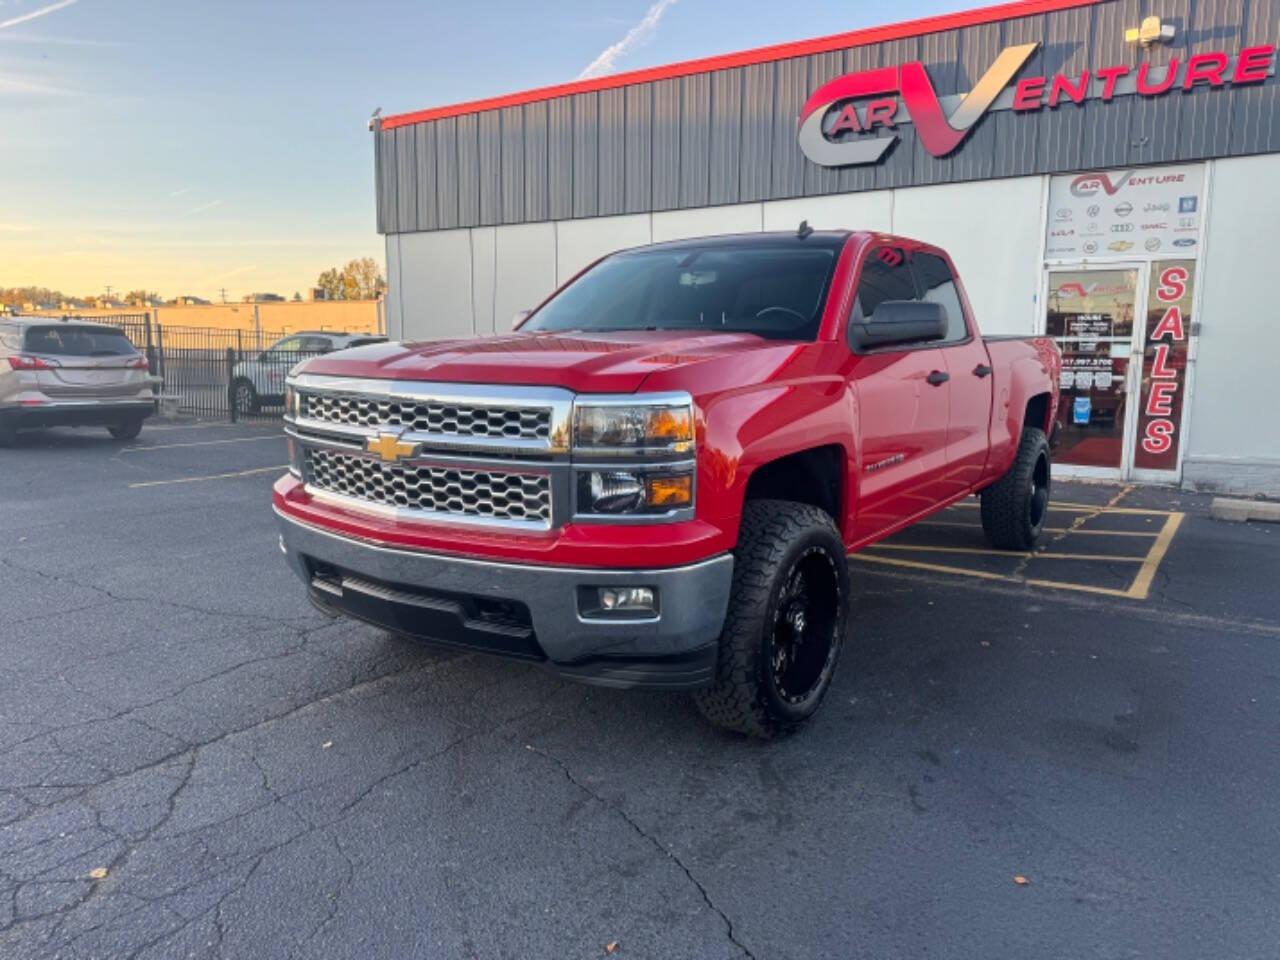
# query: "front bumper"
[[65, 413], [522, 610]]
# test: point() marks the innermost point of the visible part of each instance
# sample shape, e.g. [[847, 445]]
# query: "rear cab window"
[[69, 340]]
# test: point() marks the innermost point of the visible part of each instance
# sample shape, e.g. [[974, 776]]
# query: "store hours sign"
[[1134, 213]]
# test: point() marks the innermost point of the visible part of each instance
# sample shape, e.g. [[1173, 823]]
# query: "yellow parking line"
[[212, 476], [200, 443], [984, 575], [1092, 533], [1098, 508], [915, 548], [1141, 585]]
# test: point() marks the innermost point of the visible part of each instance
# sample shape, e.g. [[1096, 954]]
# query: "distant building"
[[263, 298], [189, 301], [317, 293]]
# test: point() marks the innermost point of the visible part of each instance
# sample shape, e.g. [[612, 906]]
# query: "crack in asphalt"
[[653, 841]]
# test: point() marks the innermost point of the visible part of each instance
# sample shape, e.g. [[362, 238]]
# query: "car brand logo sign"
[[1184, 242], [1124, 209], [1122, 228], [937, 132], [1153, 244], [1090, 247], [390, 448], [1187, 204], [1119, 246]]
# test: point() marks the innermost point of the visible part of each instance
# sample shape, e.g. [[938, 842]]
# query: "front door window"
[[1090, 314]]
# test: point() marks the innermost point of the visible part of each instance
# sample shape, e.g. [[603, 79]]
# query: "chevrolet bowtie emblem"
[[390, 448]]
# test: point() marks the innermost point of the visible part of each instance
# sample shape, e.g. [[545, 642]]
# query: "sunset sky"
[[189, 146]]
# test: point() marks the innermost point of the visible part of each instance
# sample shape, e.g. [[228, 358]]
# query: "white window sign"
[[1135, 213]]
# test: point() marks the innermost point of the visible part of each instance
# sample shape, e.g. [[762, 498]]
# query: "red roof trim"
[[781, 51]]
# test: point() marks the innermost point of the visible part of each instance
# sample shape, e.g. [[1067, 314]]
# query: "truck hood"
[[585, 362]]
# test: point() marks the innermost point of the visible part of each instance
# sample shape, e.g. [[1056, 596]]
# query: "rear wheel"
[[245, 397], [126, 429], [8, 434], [1014, 507], [786, 621]]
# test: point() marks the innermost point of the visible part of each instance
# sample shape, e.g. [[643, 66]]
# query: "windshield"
[[68, 341], [772, 290]]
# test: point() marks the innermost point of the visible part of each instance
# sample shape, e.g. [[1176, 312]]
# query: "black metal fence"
[[212, 373]]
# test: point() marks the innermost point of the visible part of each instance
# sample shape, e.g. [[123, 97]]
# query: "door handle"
[[982, 370], [938, 377]]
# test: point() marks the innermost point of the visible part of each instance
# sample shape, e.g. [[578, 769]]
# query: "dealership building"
[[1104, 172]]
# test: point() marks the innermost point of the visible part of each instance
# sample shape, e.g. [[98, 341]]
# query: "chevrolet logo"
[[390, 448]]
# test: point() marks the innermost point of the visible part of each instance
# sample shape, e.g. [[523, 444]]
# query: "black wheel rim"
[[803, 641], [1039, 501], [244, 398]]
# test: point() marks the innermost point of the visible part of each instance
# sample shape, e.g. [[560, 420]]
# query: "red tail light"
[[23, 362], [139, 364]]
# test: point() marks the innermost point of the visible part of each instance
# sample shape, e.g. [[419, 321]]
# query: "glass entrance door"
[[1090, 312]]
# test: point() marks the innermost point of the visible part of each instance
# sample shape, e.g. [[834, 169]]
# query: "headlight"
[[659, 427]]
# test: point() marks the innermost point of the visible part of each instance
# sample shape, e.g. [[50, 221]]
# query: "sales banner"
[[1125, 214], [1164, 365]]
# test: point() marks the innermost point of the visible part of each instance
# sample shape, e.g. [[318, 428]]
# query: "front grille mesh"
[[463, 493], [450, 419]]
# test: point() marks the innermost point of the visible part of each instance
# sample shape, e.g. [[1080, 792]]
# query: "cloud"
[[179, 193], [635, 36], [203, 207], [39, 12]]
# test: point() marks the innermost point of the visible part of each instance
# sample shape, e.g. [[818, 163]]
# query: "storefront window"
[[1090, 315]]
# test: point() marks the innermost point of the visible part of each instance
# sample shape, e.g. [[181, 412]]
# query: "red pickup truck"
[[655, 481]]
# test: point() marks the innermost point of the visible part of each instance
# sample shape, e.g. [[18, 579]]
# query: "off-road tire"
[[776, 539], [1015, 506], [252, 402], [126, 429]]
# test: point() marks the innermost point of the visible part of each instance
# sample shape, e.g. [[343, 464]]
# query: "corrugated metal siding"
[[612, 176], [730, 136]]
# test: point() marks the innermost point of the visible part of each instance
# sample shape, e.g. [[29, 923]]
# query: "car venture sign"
[[853, 119]]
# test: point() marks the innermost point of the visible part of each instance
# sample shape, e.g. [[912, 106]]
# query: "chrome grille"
[[500, 495], [429, 416]]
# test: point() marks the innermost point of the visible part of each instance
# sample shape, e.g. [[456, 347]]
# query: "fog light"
[[614, 492], [627, 599]]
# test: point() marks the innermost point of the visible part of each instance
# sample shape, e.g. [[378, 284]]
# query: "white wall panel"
[[392, 303], [1233, 443], [484, 279], [435, 285], [706, 222], [578, 242], [992, 231], [849, 211], [526, 256]]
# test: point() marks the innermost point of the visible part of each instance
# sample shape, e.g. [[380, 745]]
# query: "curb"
[[1242, 511]]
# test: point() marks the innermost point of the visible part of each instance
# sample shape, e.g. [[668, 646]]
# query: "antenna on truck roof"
[[804, 230]]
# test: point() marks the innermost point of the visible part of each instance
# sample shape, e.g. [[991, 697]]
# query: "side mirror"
[[900, 323], [518, 318]]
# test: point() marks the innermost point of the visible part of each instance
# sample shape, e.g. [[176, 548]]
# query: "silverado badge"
[[390, 448]]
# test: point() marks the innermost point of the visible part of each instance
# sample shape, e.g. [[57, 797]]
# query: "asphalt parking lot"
[[193, 763]]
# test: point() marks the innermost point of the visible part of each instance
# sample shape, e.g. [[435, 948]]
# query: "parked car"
[[259, 382], [66, 373], [656, 480]]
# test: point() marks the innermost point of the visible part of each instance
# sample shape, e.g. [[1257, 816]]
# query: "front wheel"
[[245, 397], [1014, 507], [786, 622]]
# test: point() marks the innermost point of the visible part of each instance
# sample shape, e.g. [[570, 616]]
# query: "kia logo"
[[1124, 209]]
